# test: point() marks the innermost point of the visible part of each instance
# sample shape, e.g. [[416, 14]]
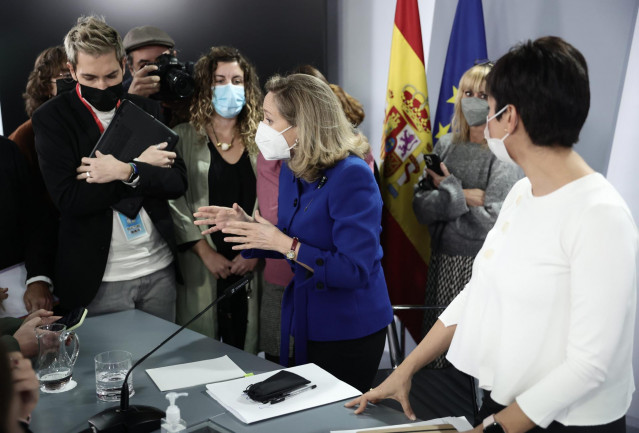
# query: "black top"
[[228, 184], [27, 229]]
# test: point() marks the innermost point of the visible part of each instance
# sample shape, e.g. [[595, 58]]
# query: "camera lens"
[[179, 83]]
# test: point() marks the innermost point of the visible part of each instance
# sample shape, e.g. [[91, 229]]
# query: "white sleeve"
[[602, 250], [455, 309]]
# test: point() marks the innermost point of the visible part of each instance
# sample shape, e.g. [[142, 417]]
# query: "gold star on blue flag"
[[467, 44]]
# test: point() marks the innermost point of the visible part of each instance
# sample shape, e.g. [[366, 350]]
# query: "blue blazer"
[[337, 220]]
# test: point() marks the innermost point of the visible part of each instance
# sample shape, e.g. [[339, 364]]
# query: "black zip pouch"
[[275, 387]]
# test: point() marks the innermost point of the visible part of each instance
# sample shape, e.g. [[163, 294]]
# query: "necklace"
[[223, 146]]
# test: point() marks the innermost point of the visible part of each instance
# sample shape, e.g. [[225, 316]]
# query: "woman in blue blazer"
[[337, 306]]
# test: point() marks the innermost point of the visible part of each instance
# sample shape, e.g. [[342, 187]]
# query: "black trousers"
[[232, 314], [352, 361], [490, 406]]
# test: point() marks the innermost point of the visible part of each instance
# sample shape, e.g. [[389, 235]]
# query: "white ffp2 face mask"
[[496, 145], [272, 143]]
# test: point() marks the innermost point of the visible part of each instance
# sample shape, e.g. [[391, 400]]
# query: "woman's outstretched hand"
[[218, 217], [258, 234]]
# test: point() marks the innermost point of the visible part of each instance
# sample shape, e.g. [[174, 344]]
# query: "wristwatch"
[[492, 426], [134, 173], [290, 254]]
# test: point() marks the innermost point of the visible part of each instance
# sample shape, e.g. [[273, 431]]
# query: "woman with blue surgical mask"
[[461, 204], [219, 150]]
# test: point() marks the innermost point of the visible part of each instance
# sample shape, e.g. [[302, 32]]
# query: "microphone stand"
[[138, 418]]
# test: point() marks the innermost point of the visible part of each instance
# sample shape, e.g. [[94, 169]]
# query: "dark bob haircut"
[[547, 80]]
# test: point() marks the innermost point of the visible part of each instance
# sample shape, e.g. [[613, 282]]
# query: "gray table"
[[138, 333]]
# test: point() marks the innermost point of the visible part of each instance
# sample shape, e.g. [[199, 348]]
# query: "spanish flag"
[[407, 137]]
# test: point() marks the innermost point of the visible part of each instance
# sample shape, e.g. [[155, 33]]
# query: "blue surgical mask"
[[228, 100]]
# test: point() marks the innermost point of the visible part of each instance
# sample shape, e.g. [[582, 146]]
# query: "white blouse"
[[547, 318]]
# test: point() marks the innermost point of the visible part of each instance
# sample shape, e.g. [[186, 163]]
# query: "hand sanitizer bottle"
[[173, 423]]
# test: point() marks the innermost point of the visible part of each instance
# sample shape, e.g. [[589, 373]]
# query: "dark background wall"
[[276, 35]]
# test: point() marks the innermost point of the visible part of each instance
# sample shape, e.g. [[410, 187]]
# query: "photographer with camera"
[[143, 45], [156, 72]]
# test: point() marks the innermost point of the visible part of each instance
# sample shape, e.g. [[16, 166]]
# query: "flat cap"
[[146, 35]]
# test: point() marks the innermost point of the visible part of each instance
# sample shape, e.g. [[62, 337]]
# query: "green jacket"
[[200, 287], [8, 326]]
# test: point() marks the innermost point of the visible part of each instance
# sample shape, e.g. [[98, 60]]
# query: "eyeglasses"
[[484, 62], [62, 76]]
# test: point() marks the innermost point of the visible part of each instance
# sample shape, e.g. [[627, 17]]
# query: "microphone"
[[140, 418]]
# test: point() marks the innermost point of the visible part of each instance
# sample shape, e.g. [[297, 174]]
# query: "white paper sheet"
[[460, 423], [14, 278], [329, 389], [195, 373]]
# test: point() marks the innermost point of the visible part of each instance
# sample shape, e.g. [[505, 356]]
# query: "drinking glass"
[[110, 370]]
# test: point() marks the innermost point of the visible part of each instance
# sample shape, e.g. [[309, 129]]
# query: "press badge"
[[133, 228]]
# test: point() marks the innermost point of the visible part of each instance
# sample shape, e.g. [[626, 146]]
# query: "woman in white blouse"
[[546, 322]]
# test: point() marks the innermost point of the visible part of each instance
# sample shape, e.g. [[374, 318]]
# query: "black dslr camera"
[[176, 81]]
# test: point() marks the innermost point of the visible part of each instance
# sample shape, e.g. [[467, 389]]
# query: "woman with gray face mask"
[[461, 205]]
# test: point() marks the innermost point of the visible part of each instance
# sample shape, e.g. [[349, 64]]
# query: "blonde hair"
[[93, 36], [353, 109], [324, 135], [474, 80]]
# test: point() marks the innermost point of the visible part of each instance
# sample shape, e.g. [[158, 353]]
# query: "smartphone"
[[74, 318], [433, 162]]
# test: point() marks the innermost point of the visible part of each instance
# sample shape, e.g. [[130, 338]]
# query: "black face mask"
[[103, 100], [64, 85]]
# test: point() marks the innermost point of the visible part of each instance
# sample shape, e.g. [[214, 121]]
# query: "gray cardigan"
[[455, 227]]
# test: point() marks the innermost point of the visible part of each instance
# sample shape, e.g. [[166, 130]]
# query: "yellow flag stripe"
[[406, 124]]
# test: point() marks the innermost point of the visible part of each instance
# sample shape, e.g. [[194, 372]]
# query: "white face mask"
[[271, 143], [496, 145]]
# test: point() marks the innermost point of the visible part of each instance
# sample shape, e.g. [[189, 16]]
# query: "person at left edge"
[[106, 261]]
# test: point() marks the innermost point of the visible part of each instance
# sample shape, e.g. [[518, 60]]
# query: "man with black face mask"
[[107, 261]]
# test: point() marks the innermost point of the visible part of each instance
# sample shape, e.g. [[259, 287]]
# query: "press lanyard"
[[86, 104]]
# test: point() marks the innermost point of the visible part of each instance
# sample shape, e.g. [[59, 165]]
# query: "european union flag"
[[467, 45]]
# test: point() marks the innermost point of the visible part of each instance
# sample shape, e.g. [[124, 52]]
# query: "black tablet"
[[131, 132]]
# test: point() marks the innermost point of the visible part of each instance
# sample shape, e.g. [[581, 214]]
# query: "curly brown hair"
[[353, 109], [48, 66], [202, 110]]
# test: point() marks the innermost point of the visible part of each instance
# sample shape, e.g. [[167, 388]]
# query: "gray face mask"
[[475, 110]]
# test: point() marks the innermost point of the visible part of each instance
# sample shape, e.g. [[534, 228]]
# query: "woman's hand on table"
[[396, 386]]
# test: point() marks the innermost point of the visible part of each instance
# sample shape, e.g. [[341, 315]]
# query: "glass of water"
[[110, 370]]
